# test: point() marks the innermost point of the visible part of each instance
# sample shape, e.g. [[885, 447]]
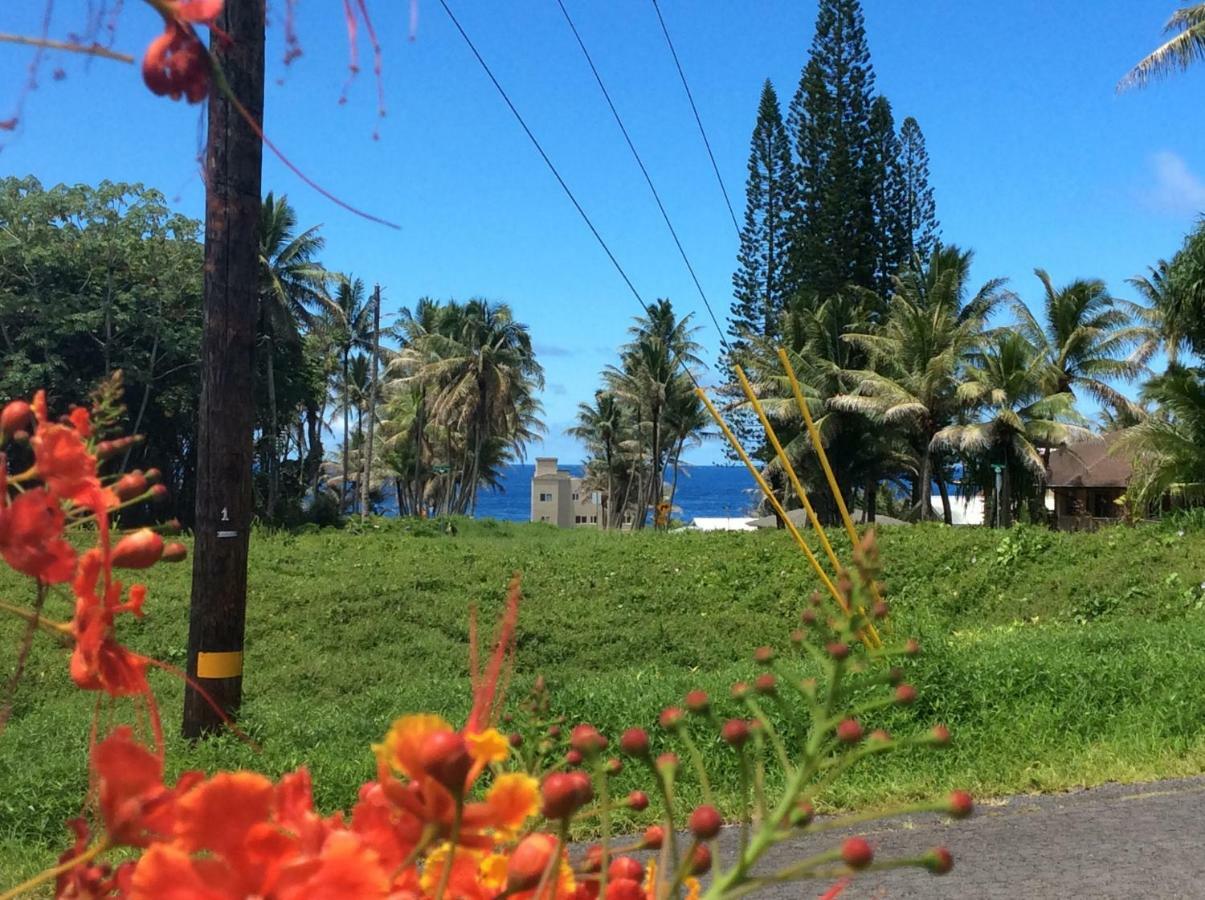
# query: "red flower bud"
[[671, 717], [895, 675], [635, 742], [705, 822], [130, 486], [515, 739], [837, 649], [857, 853], [700, 860], [587, 740], [528, 861], [940, 735], [625, 867], [878, 736], [809, 617], [849, 731], [668, 761], [763, 655], [614, 766], [939, 861], [912, 647], [624, 889], [564, 793], [735, 732], [802, 814], [154, 476], [174, 552], [740, 691], [654, 837], [159, 493], [573, 758], [109, 449], [698, 702], [445, 757], [554, 731], [139, 550], [798, 636], [905, 694], [638, 801], [765, 683], [17, 416], [593, 860], [961, 804], [880, 610]]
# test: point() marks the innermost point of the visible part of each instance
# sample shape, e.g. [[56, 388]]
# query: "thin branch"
[[48, 44]]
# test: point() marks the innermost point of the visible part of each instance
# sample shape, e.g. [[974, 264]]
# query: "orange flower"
[[63, 462], [136, 807], [31, 538]]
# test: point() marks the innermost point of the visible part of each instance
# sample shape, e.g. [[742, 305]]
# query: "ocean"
[[702, 491]]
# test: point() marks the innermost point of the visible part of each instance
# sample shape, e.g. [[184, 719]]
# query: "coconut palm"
[[353, 323], [1160, 290], [1169, 446], [1185, 47], [916, 356], [1085, 339], [600, 426], [292, 287], [1005, 382]]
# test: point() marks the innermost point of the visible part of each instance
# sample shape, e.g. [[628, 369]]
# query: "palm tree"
[[916, 357], [292, 286], [354, 322], [1085, 338], [600, 427], [1169, 446], [1159, 289], [1018, 414], [1186, 46]]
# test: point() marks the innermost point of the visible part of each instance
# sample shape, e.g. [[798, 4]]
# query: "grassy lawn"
[[1057, 660]]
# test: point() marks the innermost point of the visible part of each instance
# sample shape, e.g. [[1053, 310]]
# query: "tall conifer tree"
[[885, 182], [920, 211], [760, 281], [833, 242]]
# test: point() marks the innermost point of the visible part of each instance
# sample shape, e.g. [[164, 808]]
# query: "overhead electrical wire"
[[698, 120], [644, 171], [560, 180]]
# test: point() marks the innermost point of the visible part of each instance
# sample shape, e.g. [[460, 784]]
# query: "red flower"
[[31, 538], [176, 63], [99, 662], [136, 807]]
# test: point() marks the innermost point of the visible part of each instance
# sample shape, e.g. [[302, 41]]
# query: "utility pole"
[[233, 159], [372, 399]]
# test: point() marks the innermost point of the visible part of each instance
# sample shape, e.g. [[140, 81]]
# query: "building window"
[[594, 520], [545, 498], [579, 520], [575, 495], [543, 518]]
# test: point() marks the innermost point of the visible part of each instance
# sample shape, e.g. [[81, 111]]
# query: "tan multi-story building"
[[557, 498]]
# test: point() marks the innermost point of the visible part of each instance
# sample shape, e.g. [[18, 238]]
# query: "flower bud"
[[766, 684], [856, 853], [638, 801], [668, 762], [154, 476], [735, 732], [798, 636], [109, 449], [159, 493], [587, 740], [809, 616], [700, 860], [705, 822], [554, 731], [912, 647], [574, 758], [174, 552], [940, 735], [880, 610], [614, 766], [515, 739], [139, 550], [528, 862], [815, 598], [961, 805], [895, 675], [671, 717], [444, 756], [740, 690], [130, 485], [698, 702], [763, 655], [624, 889], [849, 731], [594, 858], [171, 526], [625, 867], [803, 813], [879, 736], [564, 793], [938, 861], [17, 416], [837, 649], [654, 837], [635, 742], [905, 694]]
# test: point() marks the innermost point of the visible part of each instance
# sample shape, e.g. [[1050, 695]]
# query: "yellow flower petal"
[[492, 871], [488, 746], [513, 799], [400, 751]]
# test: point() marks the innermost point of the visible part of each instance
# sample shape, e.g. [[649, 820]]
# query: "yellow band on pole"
[[765, 488], [790, 470], [226, 664]]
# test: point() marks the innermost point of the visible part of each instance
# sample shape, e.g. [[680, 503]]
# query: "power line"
[[644, 171], [689, 96], [561, 181]]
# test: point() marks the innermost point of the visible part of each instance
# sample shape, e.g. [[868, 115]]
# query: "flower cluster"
[[176, 63], [452, 813]]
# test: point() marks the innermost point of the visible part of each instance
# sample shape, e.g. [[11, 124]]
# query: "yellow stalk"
[[769, 495]]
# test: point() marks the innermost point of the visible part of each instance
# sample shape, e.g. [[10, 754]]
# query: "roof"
[[1089, 463], [721, 523]]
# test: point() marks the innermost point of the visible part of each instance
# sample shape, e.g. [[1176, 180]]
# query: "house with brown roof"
[[1086, 479]]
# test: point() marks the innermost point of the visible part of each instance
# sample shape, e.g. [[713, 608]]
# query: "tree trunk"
[[346, 432], [227, 410], [870, 507], [925, 480], [1006, 498], [946, 512], [273, 461], [372, 399]]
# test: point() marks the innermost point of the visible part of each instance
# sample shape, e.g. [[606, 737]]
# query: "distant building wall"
[[558, 498]]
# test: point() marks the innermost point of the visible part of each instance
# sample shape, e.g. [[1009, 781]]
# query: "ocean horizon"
[[703, 491]]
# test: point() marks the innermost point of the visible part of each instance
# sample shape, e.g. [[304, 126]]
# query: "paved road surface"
[[1135, 841]]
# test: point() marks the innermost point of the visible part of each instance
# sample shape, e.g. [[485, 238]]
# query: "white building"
[[557, 497]]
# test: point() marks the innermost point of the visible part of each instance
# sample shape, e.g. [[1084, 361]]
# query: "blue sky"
[[1035, 160]]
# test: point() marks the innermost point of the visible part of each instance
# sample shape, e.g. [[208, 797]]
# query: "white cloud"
[[1177, 188]]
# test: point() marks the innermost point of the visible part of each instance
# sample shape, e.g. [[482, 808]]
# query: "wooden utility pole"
[[365, 487], [224, 500]]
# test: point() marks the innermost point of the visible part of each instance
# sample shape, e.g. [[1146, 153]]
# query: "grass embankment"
[[1057, 660]]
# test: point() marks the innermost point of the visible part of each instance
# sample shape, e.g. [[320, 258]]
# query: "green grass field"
[[1057, 660]]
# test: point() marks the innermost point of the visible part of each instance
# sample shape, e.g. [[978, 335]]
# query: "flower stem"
[[91, 853]]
